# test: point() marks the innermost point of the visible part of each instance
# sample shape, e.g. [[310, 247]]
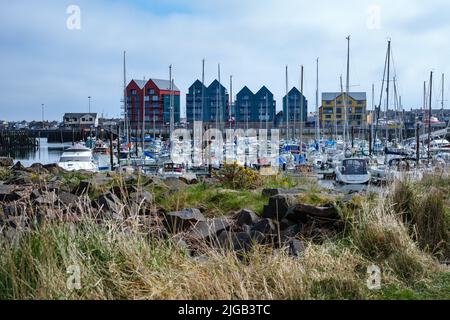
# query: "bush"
[[235, 176]]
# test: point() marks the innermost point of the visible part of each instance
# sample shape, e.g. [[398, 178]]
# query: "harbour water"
[[45, 153]]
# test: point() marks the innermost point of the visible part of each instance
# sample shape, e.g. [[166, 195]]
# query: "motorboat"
[[353, 171], [171, 169], [77, 157]]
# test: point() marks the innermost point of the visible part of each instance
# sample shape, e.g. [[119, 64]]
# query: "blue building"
[[207, 104], [254, 110], [298, 111]]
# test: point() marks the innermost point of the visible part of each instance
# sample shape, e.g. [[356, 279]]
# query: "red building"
[[156, 94]]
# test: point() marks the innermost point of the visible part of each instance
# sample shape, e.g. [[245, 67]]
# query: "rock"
[[257, 236], [178, 221], [204, 230], [142, 197], [109, 202], [46, 198], [6, 162], [237, 241], [290, 232], [278, 206], [37, 168], [174, 184], [296, 247], [35, 193], [20, 178], [189, 178], [18, 167], [303, 212], [286, 223], [247, 217], [9, 210], [7, 193], [265, 226], [53, 168], [67, 198]]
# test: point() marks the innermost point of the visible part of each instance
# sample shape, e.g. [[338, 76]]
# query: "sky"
[[54, 56]]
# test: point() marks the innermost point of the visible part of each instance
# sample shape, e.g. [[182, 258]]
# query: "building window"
[[82, 119], [155, 98], [90, 119], [150, 91], [133, 92]]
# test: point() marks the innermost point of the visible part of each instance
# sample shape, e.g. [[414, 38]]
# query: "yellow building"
[[333, 108]]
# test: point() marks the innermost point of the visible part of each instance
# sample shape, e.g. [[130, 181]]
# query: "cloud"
[[44, 62]]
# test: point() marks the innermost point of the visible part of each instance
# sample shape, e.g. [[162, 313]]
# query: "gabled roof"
[[197, 83], [214, 84], [263, 90], [329, 96], [245, 90], [164, 84], [160, 83], [79, 115]]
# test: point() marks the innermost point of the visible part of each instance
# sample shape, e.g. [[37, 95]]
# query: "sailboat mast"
[[203, 88], [125, 102], [172, 120], [429, 115], [301, 109], [344, 129], [287, 106], [231, 101], [387, 90], [442, 101], [143, 115], [219, 104], [317, 100], [347, 83]]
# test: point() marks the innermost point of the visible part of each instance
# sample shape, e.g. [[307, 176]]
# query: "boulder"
[[237, 241], [174, 184], [204, 230], [46, 198], [265, 226], [178, 221], [246, 217], [7, 193], [291, 232], [189, 178], [6, 162], [303, 212], [296, 247], [18, 167], [278, 206], [67, 198], [37, 168], [142, 197], [53, 168], [109, 202]]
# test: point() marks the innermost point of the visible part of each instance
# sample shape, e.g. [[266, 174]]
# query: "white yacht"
[[77, 157], [353, 171]]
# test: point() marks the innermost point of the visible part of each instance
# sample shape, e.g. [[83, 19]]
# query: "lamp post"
[[42, 106]]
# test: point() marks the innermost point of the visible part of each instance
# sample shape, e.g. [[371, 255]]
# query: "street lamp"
[[89, 104], [42, 105]]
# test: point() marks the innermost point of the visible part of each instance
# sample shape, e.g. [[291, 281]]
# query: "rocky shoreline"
[[29, 196]]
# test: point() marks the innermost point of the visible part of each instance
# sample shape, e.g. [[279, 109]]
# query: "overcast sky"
[[44, 61]]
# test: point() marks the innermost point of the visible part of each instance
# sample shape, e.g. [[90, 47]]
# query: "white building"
[[80, 120]]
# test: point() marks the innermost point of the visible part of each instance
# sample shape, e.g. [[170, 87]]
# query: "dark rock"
[[67, 198], [35, 193], [246, 217], [6, 162], [46, 198], [174, 184], [7, 193], [303, 212], [278, 206], [37, 168], [291, 232], [53, 168], [142, 197], [237, 241], [208, 229], [178, 221], [286, 223], [189, 178], [18, 167], [9, 210], [109, 202], [20, 178], [257, 236], [265, 226], [296, 247]]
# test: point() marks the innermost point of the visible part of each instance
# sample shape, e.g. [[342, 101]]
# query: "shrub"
[[235, 176]]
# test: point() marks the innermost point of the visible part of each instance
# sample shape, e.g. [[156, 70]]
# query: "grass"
[[122, 260]]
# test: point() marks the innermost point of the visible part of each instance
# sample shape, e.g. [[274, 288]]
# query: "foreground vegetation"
[[403, 231]]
